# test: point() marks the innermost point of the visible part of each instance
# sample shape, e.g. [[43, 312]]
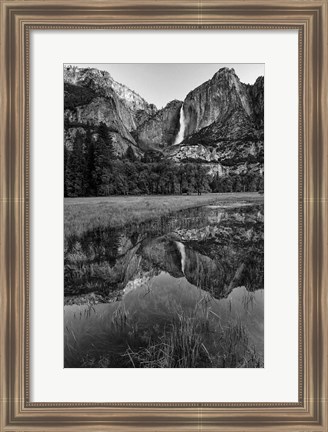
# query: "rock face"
[[102, 84], [224, 125], [107, 110], [93, 97], [223, 120], [160, 130], [233, 142], [214, 99], [256, 93]]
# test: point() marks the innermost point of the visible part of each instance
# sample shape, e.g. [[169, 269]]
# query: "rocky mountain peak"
[[173, 103], [220, 122], [87, 77], [223, 72], [102, 83], [213, 99], [259, 82]]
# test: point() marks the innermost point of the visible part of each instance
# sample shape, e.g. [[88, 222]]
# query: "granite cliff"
[[160, 130], [220, 124], [224, 125], [92, 96]]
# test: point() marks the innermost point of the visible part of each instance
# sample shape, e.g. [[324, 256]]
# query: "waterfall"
[[182, 127], [182, 251]]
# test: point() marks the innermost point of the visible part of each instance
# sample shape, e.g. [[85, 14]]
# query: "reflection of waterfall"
[[182, 127], [182, 250]]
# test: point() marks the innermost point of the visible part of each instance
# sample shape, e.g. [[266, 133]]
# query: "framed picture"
[[164, 210]]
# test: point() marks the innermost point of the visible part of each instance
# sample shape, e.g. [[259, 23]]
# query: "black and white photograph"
[[163, 215]]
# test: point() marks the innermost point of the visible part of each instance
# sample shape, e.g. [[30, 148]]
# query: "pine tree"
[[103, 159], [75, 168], [66, 173], [90, 164], [130, 154]]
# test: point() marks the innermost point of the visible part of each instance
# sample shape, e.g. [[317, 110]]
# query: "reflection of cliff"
[[223, 252], [217, 276], [177, 260], [164, 254]]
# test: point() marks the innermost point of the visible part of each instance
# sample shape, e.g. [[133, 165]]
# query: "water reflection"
[[120, 283], [213, 249]]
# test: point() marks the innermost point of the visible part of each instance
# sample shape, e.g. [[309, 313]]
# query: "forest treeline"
[[91, 169]]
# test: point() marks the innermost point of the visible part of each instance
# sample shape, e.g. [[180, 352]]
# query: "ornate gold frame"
[[310, 18]]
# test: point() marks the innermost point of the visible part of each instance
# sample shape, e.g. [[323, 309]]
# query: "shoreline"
[[83, 214]]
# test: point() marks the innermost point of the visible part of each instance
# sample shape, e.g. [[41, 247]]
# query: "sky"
[[159, 83]]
